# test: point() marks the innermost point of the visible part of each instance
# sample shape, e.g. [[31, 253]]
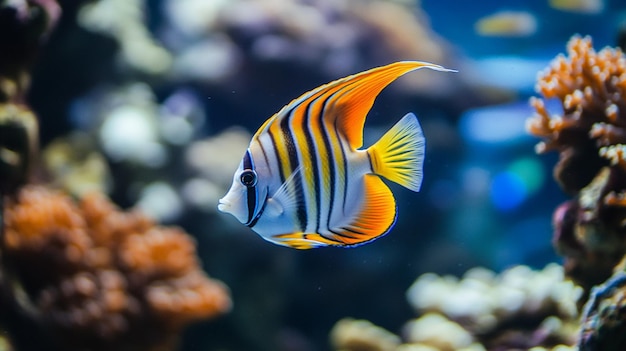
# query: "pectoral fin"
[[286, 198]]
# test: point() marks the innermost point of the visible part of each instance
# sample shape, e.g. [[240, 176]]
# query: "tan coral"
[[483, 307], [439, 332], [360, 335]]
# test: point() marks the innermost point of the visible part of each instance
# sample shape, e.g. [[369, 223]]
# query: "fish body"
[[304, 180]]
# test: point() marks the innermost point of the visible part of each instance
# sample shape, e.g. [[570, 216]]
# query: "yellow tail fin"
[[399, 154]]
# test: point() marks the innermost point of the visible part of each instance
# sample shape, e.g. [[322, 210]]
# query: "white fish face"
[[234, 202], [248, 193]]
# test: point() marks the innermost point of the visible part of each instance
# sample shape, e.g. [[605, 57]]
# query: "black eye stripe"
[[249, 174], [247, 161]]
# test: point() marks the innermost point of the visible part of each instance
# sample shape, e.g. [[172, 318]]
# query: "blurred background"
[[155, 101]]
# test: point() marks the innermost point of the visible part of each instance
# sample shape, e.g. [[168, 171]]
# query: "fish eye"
[[248, 178]]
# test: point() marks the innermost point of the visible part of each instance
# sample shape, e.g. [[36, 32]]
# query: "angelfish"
[[305, 182]]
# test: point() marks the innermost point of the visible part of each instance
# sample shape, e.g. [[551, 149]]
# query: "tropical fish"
[[304, 182]]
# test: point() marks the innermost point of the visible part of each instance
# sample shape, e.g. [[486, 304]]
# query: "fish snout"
[[223, 205]]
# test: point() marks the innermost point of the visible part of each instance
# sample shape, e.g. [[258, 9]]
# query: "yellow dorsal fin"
[[347, 100], [376, 217]]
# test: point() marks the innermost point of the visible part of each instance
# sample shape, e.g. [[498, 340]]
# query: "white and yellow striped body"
[[304, 182]]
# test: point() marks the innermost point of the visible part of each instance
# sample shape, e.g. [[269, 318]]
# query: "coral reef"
[[83, 275], [105, 279], [517, 309], [125, 21], [227, 45], [74, 164], [349, 334], [18, 145], [589, 134], [23, 26], [602, 324], [591, 87], [144, 138], [332, 36]]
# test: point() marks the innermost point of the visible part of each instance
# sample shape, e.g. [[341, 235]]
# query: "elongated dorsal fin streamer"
[[350, 105], [347, 100]]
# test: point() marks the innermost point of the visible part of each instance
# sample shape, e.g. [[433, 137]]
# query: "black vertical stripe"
[[313, 151], [331, 161], [247, 161], [292, 152], [337, 138], [281, 171], [345, 169], [258, 215], [250, 191], [267, 160]]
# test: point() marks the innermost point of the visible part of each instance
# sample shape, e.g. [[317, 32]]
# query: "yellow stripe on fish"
[[304, 182]]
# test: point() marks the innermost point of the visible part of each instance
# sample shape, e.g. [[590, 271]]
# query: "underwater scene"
[[200, 175]]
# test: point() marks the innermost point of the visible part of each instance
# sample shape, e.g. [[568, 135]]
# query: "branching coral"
[[23, 25], [590, 135], [591, 87], [102, 278]]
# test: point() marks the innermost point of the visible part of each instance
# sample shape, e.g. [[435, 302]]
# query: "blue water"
[[486, 200]]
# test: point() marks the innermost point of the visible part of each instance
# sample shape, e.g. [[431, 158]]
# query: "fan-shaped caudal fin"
[[399, 154], [376, 217], [350, 103]]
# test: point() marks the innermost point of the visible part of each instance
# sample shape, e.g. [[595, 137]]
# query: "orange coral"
[[117, 281], [159, 253], [591, 87], [181, 300]]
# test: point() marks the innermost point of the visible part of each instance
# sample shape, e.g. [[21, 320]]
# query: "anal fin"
[[376, 217], [303, 241]]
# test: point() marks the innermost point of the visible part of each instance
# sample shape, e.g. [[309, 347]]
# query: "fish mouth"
[[223, 205]]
